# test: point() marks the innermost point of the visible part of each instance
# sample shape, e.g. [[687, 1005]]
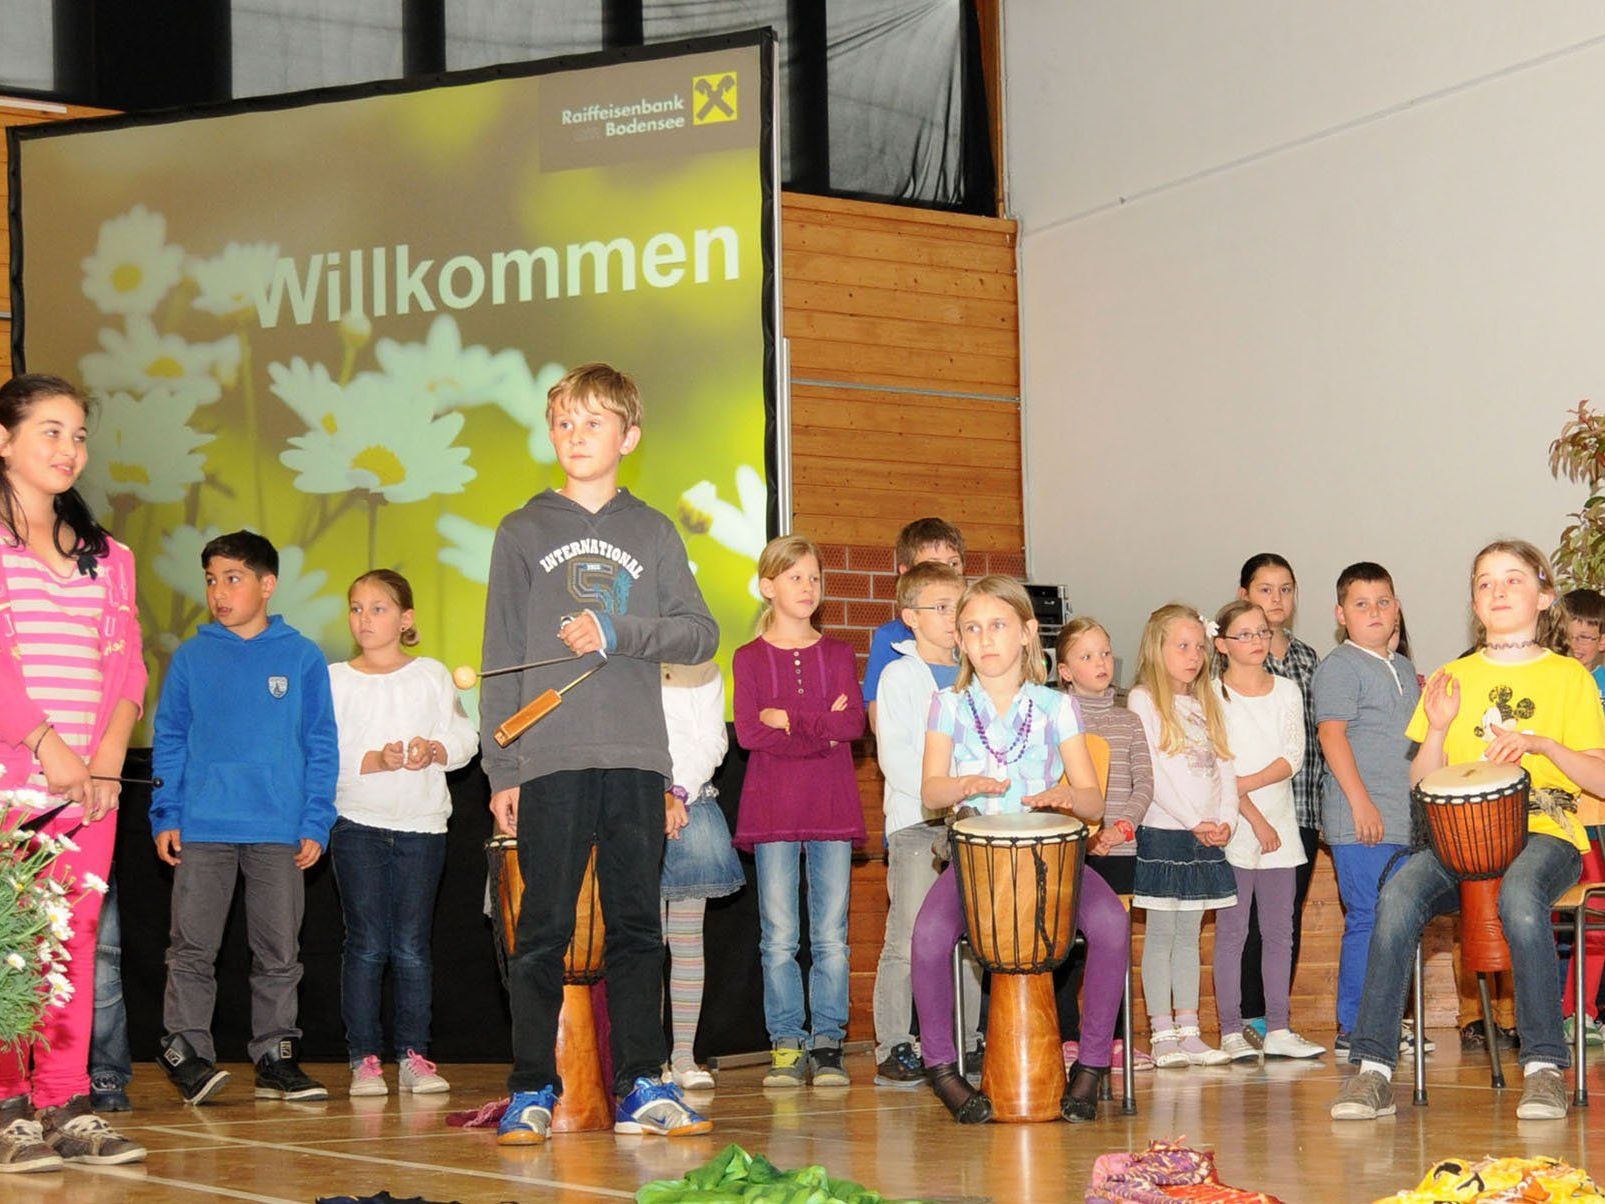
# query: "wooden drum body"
[[1018, 877], [1477, 823], [586, 1104]]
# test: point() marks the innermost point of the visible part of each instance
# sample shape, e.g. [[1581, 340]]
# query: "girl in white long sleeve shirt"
[[400, 729], [1181, 864], [698, 862]]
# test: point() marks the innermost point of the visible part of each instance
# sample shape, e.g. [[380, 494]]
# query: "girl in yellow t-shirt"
[[1517, 698]]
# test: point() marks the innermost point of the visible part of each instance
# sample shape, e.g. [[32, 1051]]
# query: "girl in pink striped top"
[[72, 680]]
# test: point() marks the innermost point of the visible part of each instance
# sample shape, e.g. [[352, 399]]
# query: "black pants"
[[559, 816], [1120, 873], [1253, 988]]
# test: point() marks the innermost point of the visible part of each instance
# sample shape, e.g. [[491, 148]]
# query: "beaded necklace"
[[1016, 748]]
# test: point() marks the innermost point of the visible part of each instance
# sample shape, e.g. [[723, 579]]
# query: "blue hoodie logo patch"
[[278, 686]]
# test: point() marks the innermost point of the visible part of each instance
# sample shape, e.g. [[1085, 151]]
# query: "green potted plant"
[[1579, 455]]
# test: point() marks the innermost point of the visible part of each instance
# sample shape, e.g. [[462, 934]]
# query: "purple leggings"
[[1099, 916], [1273, 890]]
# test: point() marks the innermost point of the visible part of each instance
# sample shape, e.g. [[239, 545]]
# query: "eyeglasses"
[[945, 609], [1249, 637]]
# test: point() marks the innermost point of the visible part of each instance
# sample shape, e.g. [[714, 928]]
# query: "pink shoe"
[[418, 1075], [1072, 1051], [368, 1077], [1140, 1060]]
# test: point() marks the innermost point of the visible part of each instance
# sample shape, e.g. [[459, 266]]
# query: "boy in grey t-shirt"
[[1364, 694]]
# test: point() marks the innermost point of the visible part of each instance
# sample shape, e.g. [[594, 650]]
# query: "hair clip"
[[1211, 628]]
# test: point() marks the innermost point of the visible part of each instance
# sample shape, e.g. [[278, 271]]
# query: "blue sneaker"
[[528, 1119], [654, 1107]]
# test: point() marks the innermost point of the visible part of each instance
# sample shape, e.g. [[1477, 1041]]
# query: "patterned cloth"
[[1165, 1171], [1499, 1179], [1298, 666]]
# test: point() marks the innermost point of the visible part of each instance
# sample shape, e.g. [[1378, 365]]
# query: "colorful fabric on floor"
[[735, 1175], [1165, 1171], [1501, 1180], [486, 1116]]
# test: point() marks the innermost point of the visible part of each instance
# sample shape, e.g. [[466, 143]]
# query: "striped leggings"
[[682, 929]]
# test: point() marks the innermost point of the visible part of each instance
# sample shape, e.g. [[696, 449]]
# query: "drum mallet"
[[464, 676], [153, 783], [544, 704]]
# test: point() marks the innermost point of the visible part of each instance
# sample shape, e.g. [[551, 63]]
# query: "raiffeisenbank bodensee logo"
[[713, 98], [710, 99]]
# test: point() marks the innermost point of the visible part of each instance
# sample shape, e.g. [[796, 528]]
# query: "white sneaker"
[[368, 1077], [1167, 1050], [691, 1078], [419, 1077], [1407, 1036], [1285, 1043], [1236, 1047]]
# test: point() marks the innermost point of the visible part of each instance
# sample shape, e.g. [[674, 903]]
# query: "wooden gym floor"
[[1269, 1127]]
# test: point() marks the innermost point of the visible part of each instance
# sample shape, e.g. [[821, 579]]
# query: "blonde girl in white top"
[[1265, 725], [401, 728]]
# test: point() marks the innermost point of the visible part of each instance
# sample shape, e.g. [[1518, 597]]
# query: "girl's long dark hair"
[[86, 541]]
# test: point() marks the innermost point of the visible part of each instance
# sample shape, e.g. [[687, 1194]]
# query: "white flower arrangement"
[[36, 918]]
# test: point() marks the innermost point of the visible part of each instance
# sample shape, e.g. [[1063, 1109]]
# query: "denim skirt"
[[1177, 872], [701, 864]]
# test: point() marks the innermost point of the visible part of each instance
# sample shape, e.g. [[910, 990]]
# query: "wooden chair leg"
[[1419, 1050], [1496, 1072]]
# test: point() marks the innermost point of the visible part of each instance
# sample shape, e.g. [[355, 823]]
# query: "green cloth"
[[737, 1177]]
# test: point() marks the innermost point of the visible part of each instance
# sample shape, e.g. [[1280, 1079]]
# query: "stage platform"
[[1269, 1126]]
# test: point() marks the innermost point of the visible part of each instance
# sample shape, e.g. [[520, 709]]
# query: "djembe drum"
[[1018, 877], [586, 1104], [1476, 818]]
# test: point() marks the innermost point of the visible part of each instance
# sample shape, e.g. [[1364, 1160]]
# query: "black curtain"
[[879, 99], [471, 1017]]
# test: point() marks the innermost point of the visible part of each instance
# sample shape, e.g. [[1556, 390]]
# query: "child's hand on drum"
[[1441, 700], [1511, 746], [974, 784], [1054, 798]]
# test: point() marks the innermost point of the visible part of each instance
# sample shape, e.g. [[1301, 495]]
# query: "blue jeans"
[[387, 881], [829, 866], [1359, 879], [109, 1055], [1422, 889]]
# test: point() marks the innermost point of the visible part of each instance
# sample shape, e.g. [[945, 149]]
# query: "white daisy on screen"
[[133, 265], [231, 282]]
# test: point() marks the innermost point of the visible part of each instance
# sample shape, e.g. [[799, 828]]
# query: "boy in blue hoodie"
[[247, 753]]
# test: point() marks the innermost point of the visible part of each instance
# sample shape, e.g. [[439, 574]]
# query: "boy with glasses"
[[1364, 695], [927, 601]]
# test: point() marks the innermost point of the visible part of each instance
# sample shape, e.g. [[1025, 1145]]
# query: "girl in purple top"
[[1002, 741], [797, 711]]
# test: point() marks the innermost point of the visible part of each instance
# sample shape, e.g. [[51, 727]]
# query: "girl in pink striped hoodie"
[[72, 681]]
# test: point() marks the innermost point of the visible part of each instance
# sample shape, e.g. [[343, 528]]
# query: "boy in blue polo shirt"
[[924, 539]]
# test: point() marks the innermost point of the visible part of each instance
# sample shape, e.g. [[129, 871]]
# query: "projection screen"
[[333, 318]]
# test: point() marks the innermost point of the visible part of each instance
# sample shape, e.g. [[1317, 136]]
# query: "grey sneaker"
[[1366, 1096], [22, 1140], [788, 1064], [1543, 1097], [825, 1065]]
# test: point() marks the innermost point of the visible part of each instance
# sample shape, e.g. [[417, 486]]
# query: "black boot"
[[279, 1075], [968, 1106], [1080, 1100], [196, 1078]]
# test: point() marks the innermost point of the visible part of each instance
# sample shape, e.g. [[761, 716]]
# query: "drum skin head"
[[1473, 777], [1027, 825]]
